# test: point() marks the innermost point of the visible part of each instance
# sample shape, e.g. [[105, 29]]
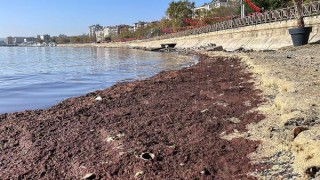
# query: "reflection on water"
[[33, 78]]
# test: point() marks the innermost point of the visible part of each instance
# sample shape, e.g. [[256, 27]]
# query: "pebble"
[[138, 174], [89, 176], [99, 98], [298, 130], [147, 156], [205, 172], [203, 111]]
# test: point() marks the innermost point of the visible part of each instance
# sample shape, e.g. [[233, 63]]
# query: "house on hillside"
[[139, 25], [209, 6]]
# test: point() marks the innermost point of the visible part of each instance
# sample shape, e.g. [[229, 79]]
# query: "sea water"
[[39, 77]]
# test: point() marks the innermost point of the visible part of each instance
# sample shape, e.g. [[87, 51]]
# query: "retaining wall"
[[268, 36]]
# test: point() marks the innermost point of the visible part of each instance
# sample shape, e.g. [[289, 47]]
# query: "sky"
[[73, 17]]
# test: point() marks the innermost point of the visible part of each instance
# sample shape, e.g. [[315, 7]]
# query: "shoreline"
[[108, 138], [287, 132]]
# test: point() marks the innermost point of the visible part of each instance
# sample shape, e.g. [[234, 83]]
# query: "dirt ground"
[[165, 127]]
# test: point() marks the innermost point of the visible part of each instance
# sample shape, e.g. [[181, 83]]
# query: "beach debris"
[[138, 174], [99, 98], [120, 135], [298, 130], [217, 48], [247, 103], [89, 176], [110, 139], [147, 156], [313, 172], [205, 110], [234, 120], [173, 146], [205, 172]]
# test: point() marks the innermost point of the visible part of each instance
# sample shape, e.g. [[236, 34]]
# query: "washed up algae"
[[290, 134]]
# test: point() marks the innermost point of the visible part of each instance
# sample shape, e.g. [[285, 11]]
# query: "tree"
[[126, 34], [269, 4], [300, 19], [178, 11]]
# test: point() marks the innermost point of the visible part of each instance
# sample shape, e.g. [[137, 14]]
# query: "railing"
[[310, 9]]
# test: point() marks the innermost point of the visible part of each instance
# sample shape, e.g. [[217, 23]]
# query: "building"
[[140, 24], [198, 11], [131, 29], [93, 29], [123, 28], [45, 38], [110, 31], [100, 35], [8, 40], [2, 43], [18, 40], [30, 40]]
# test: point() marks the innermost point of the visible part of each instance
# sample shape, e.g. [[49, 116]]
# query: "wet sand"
[[165, 127]]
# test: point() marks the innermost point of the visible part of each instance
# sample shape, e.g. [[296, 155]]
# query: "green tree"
[[126, 34], [180, 10], [269, 5]]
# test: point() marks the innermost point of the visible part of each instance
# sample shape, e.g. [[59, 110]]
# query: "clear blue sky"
[[72, 17]]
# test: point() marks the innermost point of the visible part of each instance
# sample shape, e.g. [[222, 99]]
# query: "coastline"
[[107, 138], [282, 143]]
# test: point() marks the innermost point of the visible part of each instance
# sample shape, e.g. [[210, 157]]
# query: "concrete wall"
[[259, 37]]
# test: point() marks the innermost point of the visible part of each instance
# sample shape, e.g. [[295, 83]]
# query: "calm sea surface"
[[37, 78]]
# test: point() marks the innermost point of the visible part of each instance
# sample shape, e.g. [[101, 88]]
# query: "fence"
[[310, 9]]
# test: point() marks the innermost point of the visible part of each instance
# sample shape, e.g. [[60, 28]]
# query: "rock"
[[89, 176], [205, 110], [147, 156], [138, 174], [218, 48], [298, 130], [289, 56], [234, 120], [99, 98], [110, 139], [313, 172], [205, 172]]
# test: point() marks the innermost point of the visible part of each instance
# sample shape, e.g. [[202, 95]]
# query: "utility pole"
[[242, 8]]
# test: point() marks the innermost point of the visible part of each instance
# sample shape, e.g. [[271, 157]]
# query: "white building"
[[140, 24], [45, 38], [100, 35], [111, 31], [93, 29], [209, 6], [30, 40]]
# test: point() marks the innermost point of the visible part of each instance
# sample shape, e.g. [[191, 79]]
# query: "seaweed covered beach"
[[169, 126]]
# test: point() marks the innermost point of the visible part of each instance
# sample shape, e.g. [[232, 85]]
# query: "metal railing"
[[310, 9]]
